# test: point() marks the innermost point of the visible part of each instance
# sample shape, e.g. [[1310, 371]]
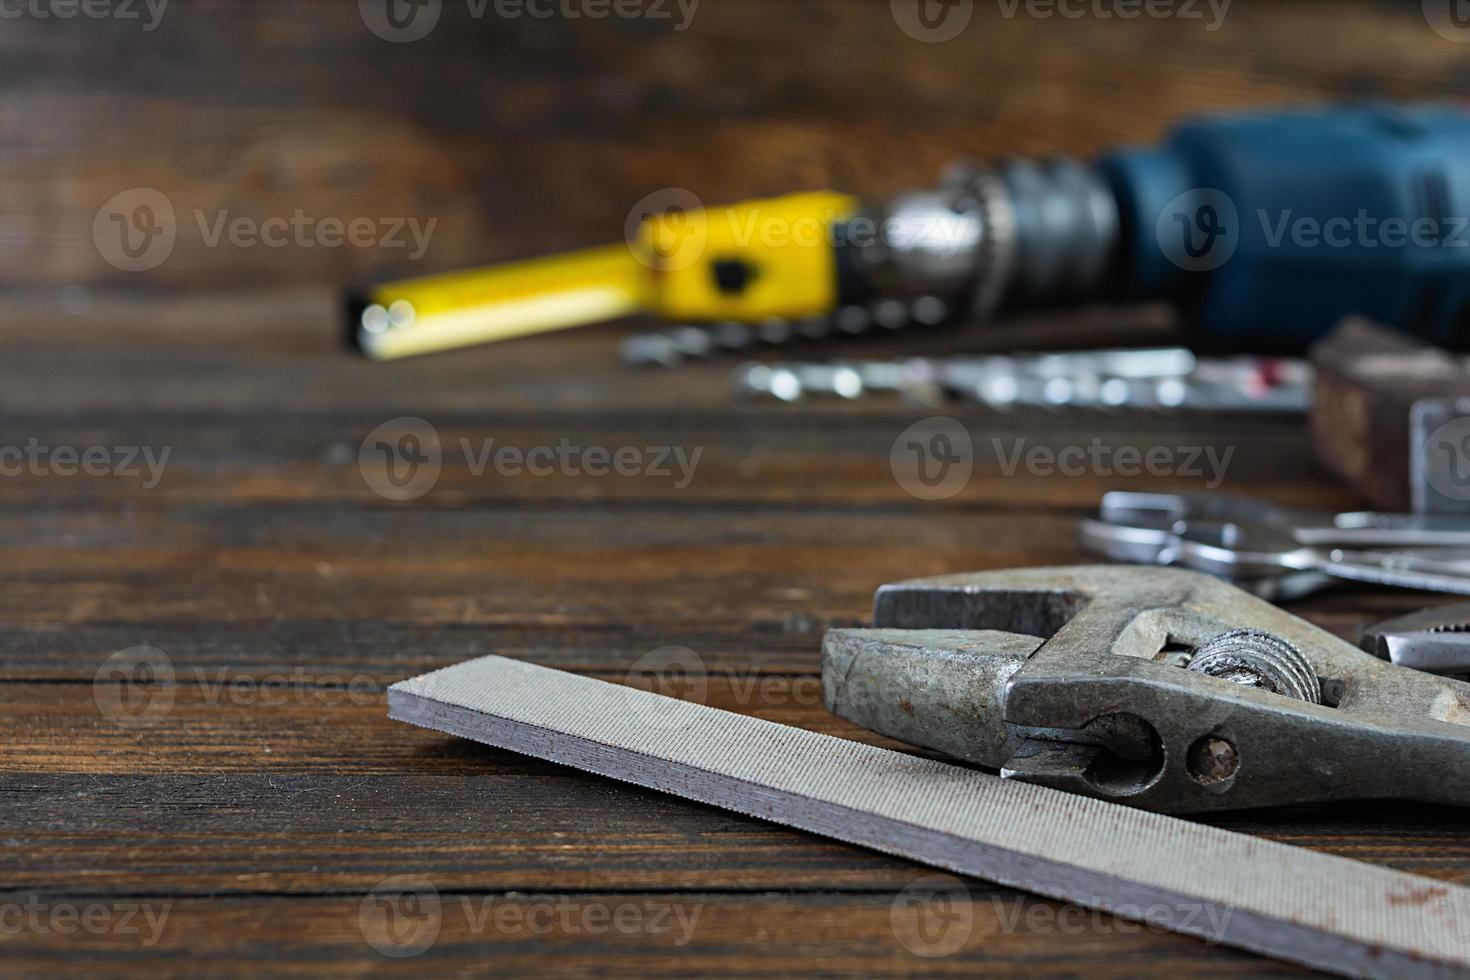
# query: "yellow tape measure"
[[750, 261]]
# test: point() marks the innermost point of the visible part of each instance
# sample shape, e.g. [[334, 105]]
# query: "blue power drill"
[[1264, 229]]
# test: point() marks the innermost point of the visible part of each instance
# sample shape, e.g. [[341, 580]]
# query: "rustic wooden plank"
[[509, 826], [390, 594], [251, 781], [451, 933]]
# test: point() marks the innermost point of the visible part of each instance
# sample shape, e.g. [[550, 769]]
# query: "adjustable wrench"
[[1158, 687]]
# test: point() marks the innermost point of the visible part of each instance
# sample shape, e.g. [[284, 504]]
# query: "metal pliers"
[[1278, 553], [1435, 639], [1162, 688]]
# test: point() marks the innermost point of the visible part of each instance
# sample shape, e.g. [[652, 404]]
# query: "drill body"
[[1267, 230]]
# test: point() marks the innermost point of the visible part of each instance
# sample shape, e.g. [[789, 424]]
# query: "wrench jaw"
[[1074, 678], [937, 688]]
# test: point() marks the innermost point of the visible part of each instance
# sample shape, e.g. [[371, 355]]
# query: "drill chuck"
[[1021, 233]]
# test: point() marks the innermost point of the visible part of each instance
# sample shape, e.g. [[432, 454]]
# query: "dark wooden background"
[[272, 796]]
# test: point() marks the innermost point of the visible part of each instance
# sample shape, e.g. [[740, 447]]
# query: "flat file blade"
[[1290, 903]]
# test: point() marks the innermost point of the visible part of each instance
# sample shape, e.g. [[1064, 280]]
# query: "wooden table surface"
[[243, 805]]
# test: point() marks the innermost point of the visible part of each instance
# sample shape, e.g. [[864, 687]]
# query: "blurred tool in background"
[[1264, 230], [1277, 553], [1392, 417], [1142, 378]]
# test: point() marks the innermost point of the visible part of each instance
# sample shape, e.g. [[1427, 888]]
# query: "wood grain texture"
[[266, 796], [519, 135]]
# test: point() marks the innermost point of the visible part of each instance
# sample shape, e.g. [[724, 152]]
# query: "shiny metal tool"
[[1162, 688], [1360, 528], [1436, 640], [1143, 378], [1281, 554]]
